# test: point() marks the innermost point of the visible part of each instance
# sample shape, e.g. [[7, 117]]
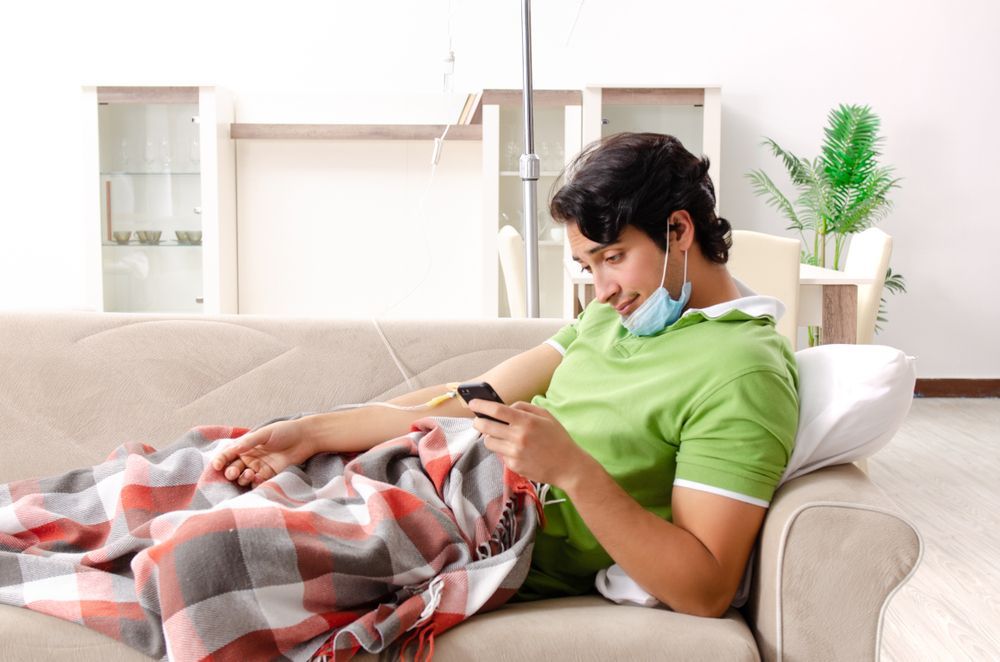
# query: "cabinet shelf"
[[162, 244], [115, 173], [240, 131], [543, 173]]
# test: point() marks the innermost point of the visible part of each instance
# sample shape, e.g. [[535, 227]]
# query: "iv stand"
[[529, 171]]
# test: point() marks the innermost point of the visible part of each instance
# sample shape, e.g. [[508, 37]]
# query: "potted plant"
[[842, 191]]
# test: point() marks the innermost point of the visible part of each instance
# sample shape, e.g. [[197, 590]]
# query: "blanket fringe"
[[425, 637], [521, 485]]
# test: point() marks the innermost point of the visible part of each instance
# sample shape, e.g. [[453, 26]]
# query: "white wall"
[[928, 69]]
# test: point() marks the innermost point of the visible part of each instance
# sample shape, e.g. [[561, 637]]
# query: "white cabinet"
[[565, 122], [161, 168], [691, 114]]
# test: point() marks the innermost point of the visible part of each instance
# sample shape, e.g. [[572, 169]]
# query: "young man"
[[665, 415]]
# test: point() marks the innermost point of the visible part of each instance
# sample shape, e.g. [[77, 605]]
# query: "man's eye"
[[614, 258], [585, 268]]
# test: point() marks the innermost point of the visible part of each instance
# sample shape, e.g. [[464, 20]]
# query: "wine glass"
[[165, 154], [195, 152], [510, 156], [149, 155], [124, 154]]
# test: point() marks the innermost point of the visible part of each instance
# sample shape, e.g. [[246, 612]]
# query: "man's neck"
[[711, 284]]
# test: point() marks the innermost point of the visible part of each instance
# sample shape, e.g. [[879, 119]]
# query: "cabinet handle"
[[197, 210], [199, 300]]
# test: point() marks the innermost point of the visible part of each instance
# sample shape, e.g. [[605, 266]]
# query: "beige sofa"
[[74, 385]]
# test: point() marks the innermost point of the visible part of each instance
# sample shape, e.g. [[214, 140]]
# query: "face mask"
[[659, 311]]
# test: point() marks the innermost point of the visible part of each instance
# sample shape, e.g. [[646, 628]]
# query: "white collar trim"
[[750, 303]]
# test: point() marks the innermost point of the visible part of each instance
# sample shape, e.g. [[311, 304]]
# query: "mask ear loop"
[[685, 262], [666, 257]]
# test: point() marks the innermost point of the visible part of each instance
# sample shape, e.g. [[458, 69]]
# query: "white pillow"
[[852, 400]]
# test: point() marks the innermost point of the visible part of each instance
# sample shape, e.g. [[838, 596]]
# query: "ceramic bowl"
[[122, 237]]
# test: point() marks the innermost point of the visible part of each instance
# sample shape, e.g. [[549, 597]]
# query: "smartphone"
[[480, 391]]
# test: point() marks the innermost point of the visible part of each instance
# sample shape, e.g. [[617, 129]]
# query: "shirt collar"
[[748, 305]]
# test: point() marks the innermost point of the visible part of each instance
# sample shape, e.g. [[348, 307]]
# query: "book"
[[465, 109], [477, 99], [470, 108]]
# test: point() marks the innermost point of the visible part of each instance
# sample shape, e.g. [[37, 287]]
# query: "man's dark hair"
[[640, 179]]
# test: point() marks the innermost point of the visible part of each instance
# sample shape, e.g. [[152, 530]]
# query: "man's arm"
[[518, 379], [694, 564], [263, 453]]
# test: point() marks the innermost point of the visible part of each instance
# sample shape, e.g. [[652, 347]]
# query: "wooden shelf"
[[471, 131], [540, 99], [663, 96], [241, 131], [147, 95]]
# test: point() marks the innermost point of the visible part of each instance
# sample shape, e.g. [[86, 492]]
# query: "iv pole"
[[529, 171]]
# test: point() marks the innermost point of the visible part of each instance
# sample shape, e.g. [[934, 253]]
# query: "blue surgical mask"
[[659, 311]]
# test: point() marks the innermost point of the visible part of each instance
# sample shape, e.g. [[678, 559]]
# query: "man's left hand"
[[532, 443]]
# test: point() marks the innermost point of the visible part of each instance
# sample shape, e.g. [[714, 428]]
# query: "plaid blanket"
[[160, 551]]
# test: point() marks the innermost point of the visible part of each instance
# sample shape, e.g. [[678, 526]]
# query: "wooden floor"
[[943, 471]]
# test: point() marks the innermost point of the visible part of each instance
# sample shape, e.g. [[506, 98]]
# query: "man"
[[663, 417]]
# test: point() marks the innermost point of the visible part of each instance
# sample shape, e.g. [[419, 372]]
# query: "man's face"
[[628, 271]]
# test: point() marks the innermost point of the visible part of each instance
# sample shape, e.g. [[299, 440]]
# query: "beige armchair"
[[510, 246], [868, 255], [769, 265]]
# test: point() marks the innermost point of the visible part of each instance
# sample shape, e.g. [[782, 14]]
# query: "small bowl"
[[194, 237], [122, 237], [148, 236], [182, 237]]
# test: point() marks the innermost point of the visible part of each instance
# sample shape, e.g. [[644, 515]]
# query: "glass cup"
[[511, 156]]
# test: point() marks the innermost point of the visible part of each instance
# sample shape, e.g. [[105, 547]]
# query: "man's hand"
[[260, 455], [532, 443]]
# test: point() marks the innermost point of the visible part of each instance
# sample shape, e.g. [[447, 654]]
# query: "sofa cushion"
[[79, 384], [586, 627], [592, 628]]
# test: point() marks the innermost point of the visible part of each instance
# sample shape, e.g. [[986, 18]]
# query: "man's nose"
[[605, 289]]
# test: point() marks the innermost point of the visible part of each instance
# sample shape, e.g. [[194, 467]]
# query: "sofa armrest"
[[832, 552]]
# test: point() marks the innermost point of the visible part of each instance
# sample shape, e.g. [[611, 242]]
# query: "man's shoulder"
[[736, 347]]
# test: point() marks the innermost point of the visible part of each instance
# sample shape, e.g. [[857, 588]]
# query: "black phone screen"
[[480, 391]]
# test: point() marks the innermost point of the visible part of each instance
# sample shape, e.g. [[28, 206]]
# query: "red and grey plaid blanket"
[[160, 551]]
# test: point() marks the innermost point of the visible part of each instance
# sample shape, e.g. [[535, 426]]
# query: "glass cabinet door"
[[150, 211], [691, 114], [549, 146]]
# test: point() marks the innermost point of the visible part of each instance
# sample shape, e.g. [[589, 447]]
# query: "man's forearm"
[[359, 429]]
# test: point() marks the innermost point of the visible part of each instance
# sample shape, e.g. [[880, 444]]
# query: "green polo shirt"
[[709, 403]]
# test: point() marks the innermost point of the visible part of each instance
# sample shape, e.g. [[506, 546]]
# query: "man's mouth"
[[626, 307]]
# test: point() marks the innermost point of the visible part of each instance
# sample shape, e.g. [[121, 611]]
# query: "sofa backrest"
[[75, 385]]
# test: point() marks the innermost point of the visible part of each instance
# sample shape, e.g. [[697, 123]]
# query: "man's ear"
[[683, 228]]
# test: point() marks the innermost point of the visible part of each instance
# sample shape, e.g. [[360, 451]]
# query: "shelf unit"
[[566, 120], [353, 132], [164, 161], [557, 138]]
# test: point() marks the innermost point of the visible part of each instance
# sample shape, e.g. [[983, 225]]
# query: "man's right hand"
[[260, 455]]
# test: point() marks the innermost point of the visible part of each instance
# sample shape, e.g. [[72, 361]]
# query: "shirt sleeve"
[[738, 440], [565, 336]]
